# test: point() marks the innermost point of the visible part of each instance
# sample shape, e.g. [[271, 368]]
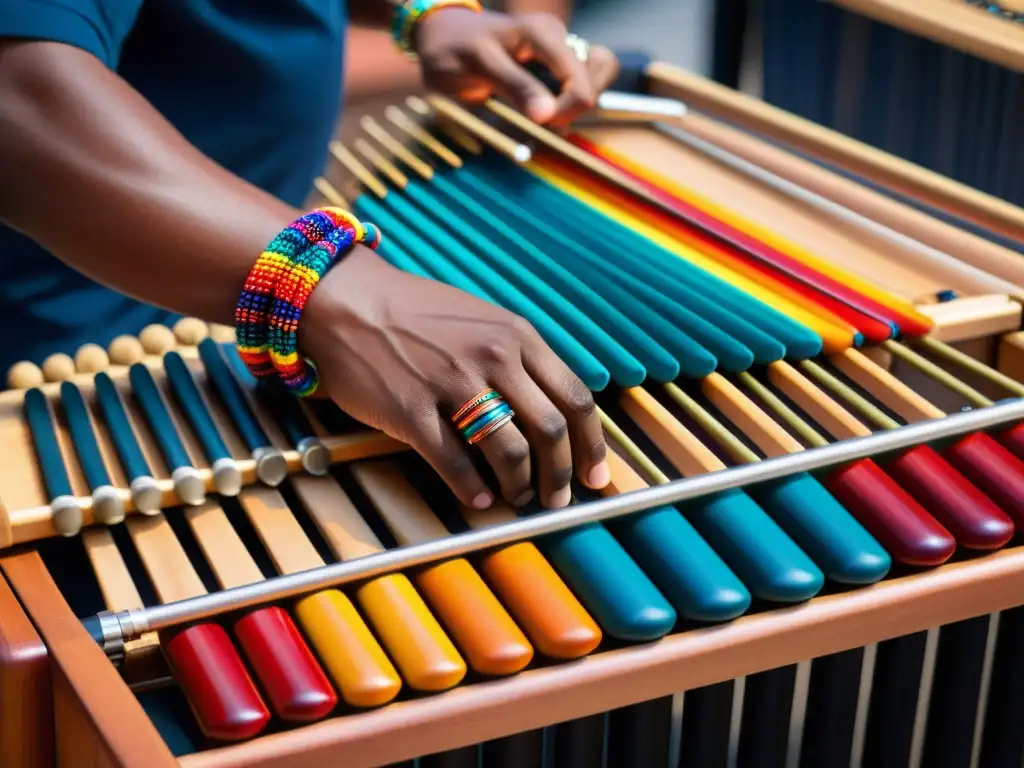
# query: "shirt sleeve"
[[97, 26]]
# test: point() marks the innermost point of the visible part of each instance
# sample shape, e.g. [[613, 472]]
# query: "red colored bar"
[[875, 331], [992, 468], [971, 516], [214, 680], [890, 514], [763, 252], [1013, 439], [292, 678]]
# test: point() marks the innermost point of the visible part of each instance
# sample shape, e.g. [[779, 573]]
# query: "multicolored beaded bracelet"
[[412, 11], [252, 310], [271, 304]]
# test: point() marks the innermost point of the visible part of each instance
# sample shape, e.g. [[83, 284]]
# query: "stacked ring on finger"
[[482, 415]]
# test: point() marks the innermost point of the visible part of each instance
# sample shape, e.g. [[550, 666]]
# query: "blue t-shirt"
[[254, 84]]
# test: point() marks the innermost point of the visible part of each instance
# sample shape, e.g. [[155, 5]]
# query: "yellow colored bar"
[[480, 625], [421, 650], [837, 336], [540, 601], [348, 650], [770, 238]]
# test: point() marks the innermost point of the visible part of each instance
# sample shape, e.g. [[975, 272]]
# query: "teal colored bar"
[[83, 437], [656, 359], [116, 417], [832, 537], [501, 272], [609, 583], [692, 340], [595, 375], [772, 566], [44, 438], [682, 565]]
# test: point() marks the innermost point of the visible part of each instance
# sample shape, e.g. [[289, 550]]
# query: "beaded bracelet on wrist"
[[276, 292], [252, 310], [409, 13]]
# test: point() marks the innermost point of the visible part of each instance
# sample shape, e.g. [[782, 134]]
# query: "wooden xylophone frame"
[[77, 708]]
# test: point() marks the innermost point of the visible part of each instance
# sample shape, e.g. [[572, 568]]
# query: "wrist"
[[410, 14]]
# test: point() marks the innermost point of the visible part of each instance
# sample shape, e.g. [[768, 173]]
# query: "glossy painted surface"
[[419, 646], [348, 650], [477, 622], [966, 512], [223, 697], [549, 613], [288, 672], [993, 469], [890, 514]]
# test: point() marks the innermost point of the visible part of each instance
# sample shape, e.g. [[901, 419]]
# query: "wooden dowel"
[[513, 150], [396, 148], [956, 357], [934, 372]]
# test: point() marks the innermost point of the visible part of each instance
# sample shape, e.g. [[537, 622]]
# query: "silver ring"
[[579, 46]]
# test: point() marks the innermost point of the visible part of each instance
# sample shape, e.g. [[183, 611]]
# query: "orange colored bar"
[[478, 623], [547, 610]]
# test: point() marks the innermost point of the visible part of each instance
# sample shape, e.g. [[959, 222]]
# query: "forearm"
[[95, 174]]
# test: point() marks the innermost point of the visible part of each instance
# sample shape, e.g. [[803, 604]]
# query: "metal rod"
[[136, 622]]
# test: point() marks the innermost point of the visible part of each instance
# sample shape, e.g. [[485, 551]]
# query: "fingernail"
[[524, 498], [599, 476], [482, 501], [541, 108], [560, 498]]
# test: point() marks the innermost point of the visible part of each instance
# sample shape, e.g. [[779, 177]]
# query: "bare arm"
[[97, 176]]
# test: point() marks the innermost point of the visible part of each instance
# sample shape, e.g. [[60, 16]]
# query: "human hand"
[[402, 354], [471, 56]]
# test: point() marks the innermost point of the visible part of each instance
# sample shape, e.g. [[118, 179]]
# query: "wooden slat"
[[337, 518], [26, 705], [115, 582], [885, 387], [835, 419], [168, 567], [282, 536], [1011, 356], [407, 515], [762, 430], [222, 547], [97, 719]]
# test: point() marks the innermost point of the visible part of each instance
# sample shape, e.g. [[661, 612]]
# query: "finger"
[[511, 80], [576, 403], [546, 37], [435, 440], [602, 67], [548, 432], [505, 449]]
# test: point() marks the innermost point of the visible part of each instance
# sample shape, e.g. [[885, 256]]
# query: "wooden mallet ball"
[[157, 339], [190, 331], [25, 375], [126, 350], [59, 367], [91, 358]]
